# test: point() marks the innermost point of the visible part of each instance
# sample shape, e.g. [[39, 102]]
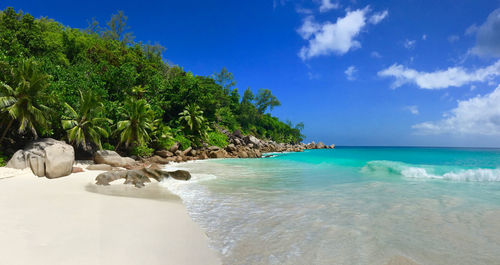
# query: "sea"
[[349, 205]]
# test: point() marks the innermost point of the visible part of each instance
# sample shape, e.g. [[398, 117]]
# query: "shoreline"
[[72, 220]]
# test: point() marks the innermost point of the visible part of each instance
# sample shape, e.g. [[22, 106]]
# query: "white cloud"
[[327, 5], [413, 109], [375, 54], [309, 28], [488, 36], [479, 115], [471, 30], [332, 38], [451, 77], [453, 38], [377, 17], [424, 37], [350, 73], [409, 44]]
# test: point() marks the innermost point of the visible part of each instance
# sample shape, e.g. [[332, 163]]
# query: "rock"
[[159, 160], [59, 159], [230, 148], [186, 152], [193, 152], [178, 153], [164, 153], [174, 148], [250, 139], [112, 158], [18, 161], [77, 170], [320, 145], [180, 174], [217, 154], [242, 154], [107, 177], [203, 155], [138, 177], [332, 146], [238, 134], [102, 167], [214, 148], [46, 158]]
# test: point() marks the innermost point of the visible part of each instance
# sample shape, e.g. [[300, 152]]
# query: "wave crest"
[[382, 167]]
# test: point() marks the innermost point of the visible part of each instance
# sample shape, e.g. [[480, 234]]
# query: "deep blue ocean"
[[350, 205]]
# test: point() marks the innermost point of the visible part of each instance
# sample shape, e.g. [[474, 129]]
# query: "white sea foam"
[[428, 172]]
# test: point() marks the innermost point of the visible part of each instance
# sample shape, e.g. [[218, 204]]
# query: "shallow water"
[[350, 206]]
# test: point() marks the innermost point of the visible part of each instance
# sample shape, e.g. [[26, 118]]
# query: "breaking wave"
[[383, 167]]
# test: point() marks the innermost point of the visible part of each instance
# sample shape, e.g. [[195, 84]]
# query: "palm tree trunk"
[[6, 130]]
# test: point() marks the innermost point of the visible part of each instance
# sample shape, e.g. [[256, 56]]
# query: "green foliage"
[[108, 146], [142, 151], [22, 98], [194, 123], [266, 100], [84, 126], [218, 139], [136, 124], [145, 97], [3, 160]]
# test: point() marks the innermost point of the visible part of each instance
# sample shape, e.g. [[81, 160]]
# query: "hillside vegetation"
[[99, 89]]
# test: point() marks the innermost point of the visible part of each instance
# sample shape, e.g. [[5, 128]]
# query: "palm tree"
[[193, 120], [85, 126], [22, 98], [137, 122]]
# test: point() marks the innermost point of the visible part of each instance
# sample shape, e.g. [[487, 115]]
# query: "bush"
[[183, 141], [3, 160], [142, 151], [218, 139], [108, 146]]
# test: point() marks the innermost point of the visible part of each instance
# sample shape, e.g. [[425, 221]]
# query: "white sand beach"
[[71, 220]]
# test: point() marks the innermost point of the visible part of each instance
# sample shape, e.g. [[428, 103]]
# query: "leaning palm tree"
[[194, 122], [22, 98], [136, 124], [84, 126]]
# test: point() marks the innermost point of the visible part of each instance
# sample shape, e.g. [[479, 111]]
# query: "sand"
[[70, 220]]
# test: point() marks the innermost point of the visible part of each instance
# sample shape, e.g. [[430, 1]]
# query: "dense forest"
[[99, 89]]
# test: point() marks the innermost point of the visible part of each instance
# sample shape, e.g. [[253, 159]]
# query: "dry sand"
[[70, 220]]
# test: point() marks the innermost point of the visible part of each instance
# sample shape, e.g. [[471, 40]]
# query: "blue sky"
[[355, 72]]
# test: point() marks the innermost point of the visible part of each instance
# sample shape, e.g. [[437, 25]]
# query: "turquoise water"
[[350, 206]]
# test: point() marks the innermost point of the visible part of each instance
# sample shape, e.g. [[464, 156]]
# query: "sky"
[[394, 72]]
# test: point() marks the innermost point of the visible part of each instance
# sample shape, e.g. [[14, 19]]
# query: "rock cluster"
[[138, 177], [46, 158], [239, 147]]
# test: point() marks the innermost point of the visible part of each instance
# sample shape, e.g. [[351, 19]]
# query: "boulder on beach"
[[164, 153], [138, 177], [112, 158], [46, 158], [103, 167]]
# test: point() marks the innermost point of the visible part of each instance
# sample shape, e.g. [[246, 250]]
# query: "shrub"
[[142, 151], [218, 139], [108, 146], [3, 160], [183, 141]]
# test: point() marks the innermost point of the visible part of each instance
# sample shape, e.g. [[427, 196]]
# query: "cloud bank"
[[451, 77], [479, 115], [488, 36]]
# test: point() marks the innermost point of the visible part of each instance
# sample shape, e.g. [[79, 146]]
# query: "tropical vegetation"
[[98, 88]]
